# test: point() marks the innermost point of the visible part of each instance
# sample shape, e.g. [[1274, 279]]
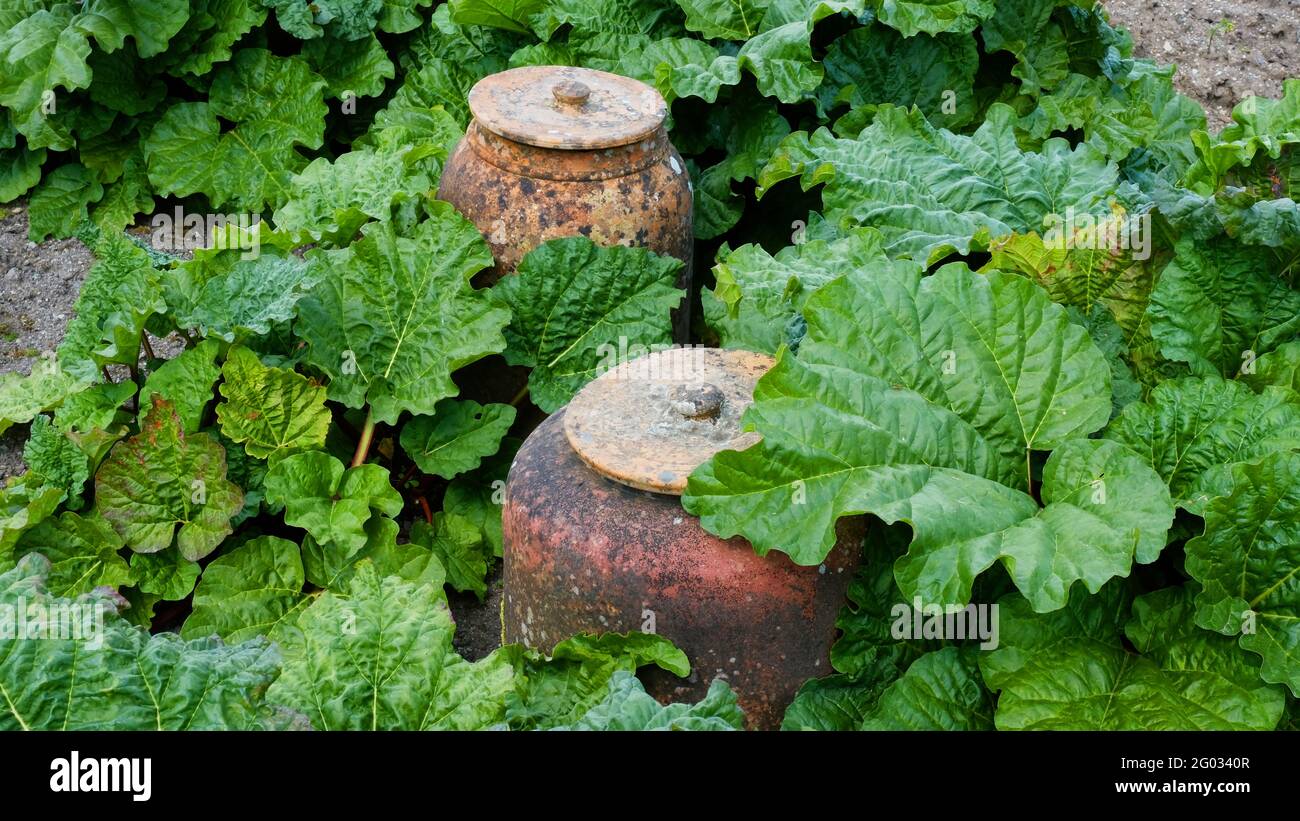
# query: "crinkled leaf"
[[457, 437], [45, 388], [41, 54], [350, 68], [1193, 430], [329, 502], [83, 554], [874, 65], [254, 590], [911, 17], [235, 294], [1280, 367], [330, 566], [628, 707], [478, 495], [25, 502], [392, 316], [559, 690], [1070, 669], [128, 679], [169, 575], [932, 192], [186, 382], [572, 301], [333, 200], [270, 410], [1248, 562], [150, 24], [164, 486], [381, 658], [458, 545], [758, 295], [120, 293], [52, 454], [1220, 304], [511, 15], [915, 399], [940, 691], [276, 104], [59, 203]]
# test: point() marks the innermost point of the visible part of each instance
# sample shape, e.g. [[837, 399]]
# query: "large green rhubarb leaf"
[[756, 300], [1071, 670], [254, 590], [381, 658], [932, 192], [922, 400], [150, 24], [83, 554], [874, 65], [237, 294], [42, 53], [573, 303], [934, 16], [1219, 305], [940, 691], [332, 200], [276, 104], [121, 678], [164, 486], [1248, 562], [1192, 431], [392, 316]]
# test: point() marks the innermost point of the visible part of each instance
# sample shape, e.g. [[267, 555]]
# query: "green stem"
[[363, 444], [519, 397]]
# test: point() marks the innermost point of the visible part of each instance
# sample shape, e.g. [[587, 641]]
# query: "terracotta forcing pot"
[[556, 151], [596, 539]]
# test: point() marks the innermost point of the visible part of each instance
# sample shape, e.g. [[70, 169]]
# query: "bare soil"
[[1225, 50]]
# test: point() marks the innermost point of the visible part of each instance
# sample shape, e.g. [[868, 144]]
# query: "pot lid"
[[566, 107], [648, 423]]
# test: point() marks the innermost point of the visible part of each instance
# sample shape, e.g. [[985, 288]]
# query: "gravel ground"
[[38, 286], [1225, 50]]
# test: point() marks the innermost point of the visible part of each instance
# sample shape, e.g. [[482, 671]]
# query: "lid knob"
[[699, 400], [571, 92]]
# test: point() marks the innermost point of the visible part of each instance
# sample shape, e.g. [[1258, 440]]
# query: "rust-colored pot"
[[596, 539], [557, 151]]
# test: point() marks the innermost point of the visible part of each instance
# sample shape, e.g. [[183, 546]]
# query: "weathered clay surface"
[[587, 554], [519, 196]]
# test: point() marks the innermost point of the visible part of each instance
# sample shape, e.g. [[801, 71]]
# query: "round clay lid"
[[648, 423], [566, 107]]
